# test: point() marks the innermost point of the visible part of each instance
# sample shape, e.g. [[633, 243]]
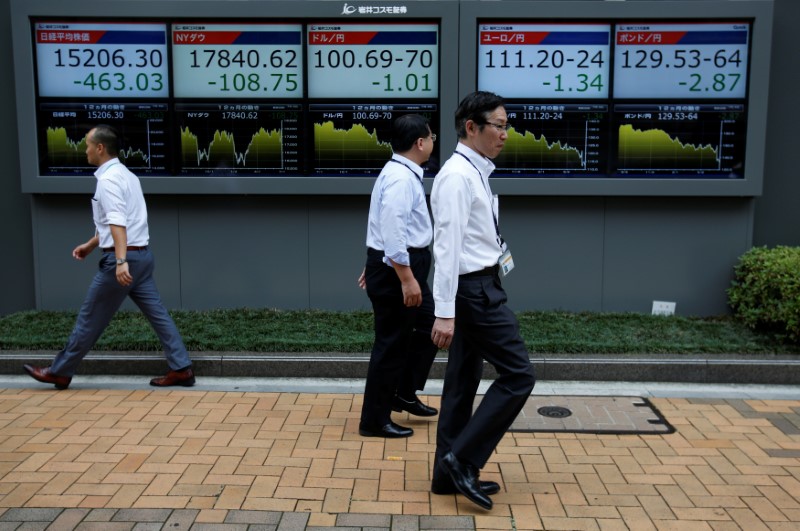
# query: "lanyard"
[[500, 239], [419, 177]]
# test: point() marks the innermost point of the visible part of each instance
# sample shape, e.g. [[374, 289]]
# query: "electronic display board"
[[280, 96], [355, 138], [555, 139], [237, 61], [663, 100], [398, 60], [697, 60], [63, 126], [544, 60], [102, 60], [244, 139], [674, 139]]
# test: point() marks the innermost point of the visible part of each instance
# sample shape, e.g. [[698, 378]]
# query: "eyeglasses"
[[500, 127], [433, 137]]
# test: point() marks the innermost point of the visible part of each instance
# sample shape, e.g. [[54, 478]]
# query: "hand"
[[123, 275], [442, 332], [82, 251], [412, 294], [362, 280]]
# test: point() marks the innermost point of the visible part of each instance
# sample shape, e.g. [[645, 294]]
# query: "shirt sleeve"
[[112, 201], [397, 202], [451, 209]]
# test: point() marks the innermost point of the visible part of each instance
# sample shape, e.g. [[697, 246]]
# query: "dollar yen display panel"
[[361, 78], [111, 72]]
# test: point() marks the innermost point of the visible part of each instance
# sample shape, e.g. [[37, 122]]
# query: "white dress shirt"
[[464, 214], [118, 200], [398, 213]]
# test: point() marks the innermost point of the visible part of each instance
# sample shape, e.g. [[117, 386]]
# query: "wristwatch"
[[121, 261]]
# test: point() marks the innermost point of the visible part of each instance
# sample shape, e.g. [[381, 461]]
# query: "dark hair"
[[476, 107], [407, 129], [109, 137]]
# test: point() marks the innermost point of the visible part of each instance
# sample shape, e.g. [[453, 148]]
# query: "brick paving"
[[184, 459]]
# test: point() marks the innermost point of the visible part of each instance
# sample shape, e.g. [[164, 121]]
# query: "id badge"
[[506, 263]]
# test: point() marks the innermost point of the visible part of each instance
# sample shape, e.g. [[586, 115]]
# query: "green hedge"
[[765, 293]]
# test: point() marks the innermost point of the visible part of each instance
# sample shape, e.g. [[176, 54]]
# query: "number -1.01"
[[413, 83]]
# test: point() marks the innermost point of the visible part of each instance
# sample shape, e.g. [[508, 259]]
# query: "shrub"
[[765, 292]]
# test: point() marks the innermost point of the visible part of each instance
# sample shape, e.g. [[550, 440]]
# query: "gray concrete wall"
[[573, 253], [17, 265], [777, 219]]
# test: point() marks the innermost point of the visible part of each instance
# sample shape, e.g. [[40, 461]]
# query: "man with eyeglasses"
[[472, 319], [399, 233]]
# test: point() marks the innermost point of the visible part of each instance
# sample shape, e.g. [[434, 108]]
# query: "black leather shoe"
[[444, 485], [388, 431], [415, 407], [465, 480]]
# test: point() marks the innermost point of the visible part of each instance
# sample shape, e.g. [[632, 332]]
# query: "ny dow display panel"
[[237, 61]]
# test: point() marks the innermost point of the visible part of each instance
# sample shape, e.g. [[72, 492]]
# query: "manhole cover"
[[554, 412]]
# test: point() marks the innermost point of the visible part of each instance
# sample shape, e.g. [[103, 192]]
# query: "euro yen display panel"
[[637, 98], [221, 97]]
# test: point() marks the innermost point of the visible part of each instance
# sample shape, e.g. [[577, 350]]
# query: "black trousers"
[[485, 330], [403, 352]]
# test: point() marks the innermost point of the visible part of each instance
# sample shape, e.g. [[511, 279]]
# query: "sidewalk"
[[230, 454]]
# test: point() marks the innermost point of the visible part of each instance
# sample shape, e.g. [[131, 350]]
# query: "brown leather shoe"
[[184, 378], [44, 375]]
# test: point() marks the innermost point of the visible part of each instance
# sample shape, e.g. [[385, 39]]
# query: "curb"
[[717, 368]]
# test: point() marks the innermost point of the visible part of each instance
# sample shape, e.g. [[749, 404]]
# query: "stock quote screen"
[[633, 99], [220, 99], [610, 98]]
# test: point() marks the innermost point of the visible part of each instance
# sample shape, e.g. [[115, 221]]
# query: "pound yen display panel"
[[555, 139], [62, 129], [355, 138], [688, 60], [239, 139], [702, 140]]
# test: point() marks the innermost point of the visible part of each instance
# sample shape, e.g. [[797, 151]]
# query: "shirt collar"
[[416, 168], [105, 166], [484, 164]]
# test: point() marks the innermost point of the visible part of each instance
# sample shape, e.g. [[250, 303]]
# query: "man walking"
[[395, 277], [472, 319], [125, 270]]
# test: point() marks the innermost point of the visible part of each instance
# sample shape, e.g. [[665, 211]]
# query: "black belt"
[[485, 272], [130, 248], [411, 250]]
